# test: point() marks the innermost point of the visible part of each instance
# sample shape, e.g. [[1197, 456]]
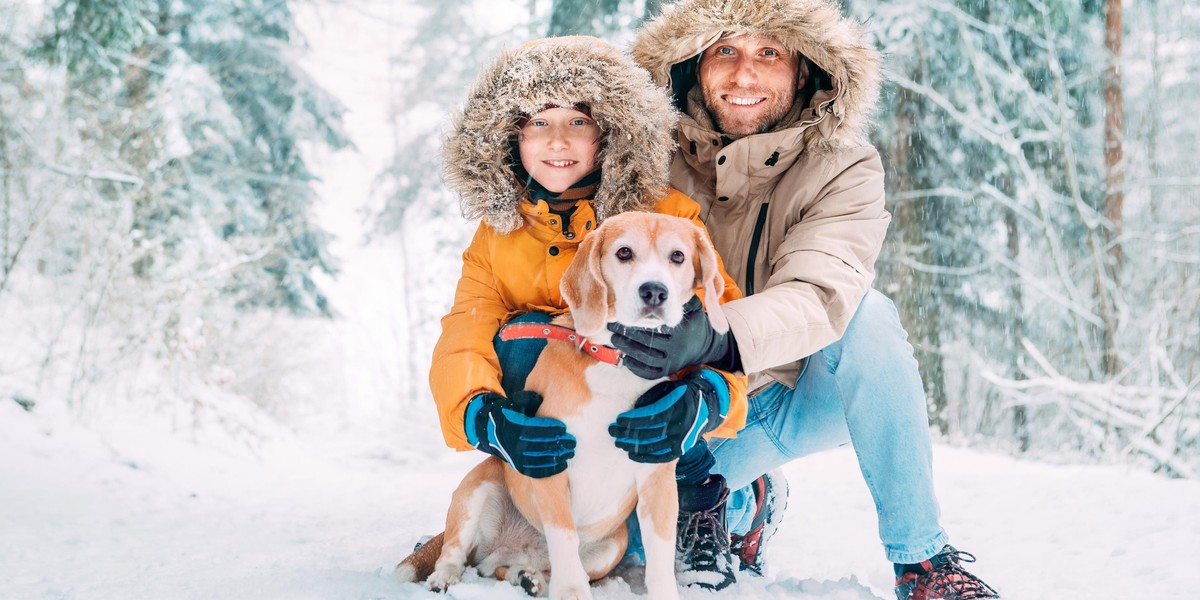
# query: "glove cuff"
[[471, 419], [731, 360], [719, 389]]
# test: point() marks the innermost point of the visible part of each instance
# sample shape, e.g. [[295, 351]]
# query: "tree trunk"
[[1114, 168], [921, 320], [1016, 303], [581, 17]]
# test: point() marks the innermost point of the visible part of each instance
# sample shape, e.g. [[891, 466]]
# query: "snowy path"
[[136, 514]]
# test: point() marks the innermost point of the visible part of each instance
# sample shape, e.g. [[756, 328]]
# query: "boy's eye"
[[537, 123], [677, 257], [579, 122], [624, 254]]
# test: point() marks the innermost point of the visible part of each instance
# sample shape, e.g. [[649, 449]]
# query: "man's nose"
[[744, 72]]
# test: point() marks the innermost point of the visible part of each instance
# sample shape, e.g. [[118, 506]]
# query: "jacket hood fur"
[[813, 28], [635, 117]]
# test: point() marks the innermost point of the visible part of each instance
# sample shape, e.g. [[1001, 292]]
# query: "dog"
[[558, 533]]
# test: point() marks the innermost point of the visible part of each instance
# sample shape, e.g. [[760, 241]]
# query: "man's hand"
[[654, 354], [535, 446], [669, 418]]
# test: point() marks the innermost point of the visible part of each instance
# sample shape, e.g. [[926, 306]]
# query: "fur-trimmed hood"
[[814, 28], [635, 117]]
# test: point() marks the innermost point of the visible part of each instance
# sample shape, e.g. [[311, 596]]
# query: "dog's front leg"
[[568, 580], [658, 516]]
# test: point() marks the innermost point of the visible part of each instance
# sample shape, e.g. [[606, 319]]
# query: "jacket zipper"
[[758, 227]]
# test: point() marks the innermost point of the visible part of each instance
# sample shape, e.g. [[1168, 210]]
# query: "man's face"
[[749, 83]]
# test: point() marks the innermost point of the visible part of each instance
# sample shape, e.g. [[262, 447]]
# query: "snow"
[[131, 509], [136, 501]]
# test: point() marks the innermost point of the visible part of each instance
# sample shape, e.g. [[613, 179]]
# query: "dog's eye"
[[677, 257], [624, 254]]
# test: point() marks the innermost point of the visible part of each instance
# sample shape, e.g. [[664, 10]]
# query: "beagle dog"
[[637, 269]]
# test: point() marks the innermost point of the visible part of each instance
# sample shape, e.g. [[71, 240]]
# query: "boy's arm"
[[464, 359]]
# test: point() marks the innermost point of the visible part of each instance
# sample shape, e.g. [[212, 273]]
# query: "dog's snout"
[[653, 293]]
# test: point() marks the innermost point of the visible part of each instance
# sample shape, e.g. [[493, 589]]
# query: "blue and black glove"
[[667, 420], [654, 353], [535, 446]]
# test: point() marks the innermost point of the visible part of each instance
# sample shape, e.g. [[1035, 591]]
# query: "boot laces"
[[951, 581], [701, 536]]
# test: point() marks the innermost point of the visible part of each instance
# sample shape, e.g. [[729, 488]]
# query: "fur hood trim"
[[814, 28], [635, 117]]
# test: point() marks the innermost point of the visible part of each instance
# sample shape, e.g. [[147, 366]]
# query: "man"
[[776, 97]]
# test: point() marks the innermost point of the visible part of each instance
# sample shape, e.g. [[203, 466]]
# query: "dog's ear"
[[583, 286], [708, 274]]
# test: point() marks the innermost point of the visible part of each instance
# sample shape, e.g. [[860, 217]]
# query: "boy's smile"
[[558, 147]]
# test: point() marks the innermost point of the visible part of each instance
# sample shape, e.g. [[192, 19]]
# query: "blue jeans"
[[864, 390]]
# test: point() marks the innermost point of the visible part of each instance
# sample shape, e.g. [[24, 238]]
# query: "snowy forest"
[[223, 226], [161, 235]]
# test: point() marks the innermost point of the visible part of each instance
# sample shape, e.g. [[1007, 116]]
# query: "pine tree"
[[210, 114]]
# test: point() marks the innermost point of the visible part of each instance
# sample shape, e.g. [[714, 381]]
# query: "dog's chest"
[[602, 476]]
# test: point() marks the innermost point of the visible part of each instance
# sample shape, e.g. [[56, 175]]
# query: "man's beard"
[[779, 105]]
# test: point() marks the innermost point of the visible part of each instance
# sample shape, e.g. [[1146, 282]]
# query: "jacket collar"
[[547, 226]]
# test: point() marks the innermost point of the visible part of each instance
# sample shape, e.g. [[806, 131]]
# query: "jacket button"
[[570, 235], [723, 199], [553, 250], [721, 161]]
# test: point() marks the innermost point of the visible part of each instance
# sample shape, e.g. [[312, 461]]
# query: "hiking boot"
[[702, 556], [770, 500], [942, 578]]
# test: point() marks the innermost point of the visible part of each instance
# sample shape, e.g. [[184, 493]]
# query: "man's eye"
[[677, 257], [624, 254], [725, 50], [770, 53]]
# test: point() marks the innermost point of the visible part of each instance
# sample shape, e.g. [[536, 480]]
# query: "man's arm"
[[820, 272]]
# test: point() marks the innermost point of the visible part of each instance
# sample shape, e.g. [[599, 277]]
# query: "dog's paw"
[[442, 579], [530, 580], [571, 592]]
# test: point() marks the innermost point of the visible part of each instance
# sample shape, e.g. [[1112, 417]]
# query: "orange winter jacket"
[[504, 275]]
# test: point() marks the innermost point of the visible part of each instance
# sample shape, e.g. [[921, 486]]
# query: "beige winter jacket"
[[797, 213]]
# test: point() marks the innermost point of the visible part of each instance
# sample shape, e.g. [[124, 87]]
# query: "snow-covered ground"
[[128, 509]]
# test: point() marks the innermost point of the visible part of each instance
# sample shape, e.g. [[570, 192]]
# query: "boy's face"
[[558, 147]]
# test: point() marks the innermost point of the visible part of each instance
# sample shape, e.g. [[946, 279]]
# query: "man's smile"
[[743, 100]]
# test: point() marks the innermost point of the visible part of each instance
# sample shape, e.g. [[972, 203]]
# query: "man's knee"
[[875, 333]]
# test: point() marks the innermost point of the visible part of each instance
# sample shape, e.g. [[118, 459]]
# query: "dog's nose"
[[653, 293]]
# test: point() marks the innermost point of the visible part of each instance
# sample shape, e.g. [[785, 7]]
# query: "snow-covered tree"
[[1003, 256], [155, 195]]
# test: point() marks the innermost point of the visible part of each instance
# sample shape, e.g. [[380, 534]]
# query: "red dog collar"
[[525, 331]]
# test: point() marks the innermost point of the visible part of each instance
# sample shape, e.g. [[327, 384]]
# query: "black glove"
[[535, 446], [669, 418], [654, 354]]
